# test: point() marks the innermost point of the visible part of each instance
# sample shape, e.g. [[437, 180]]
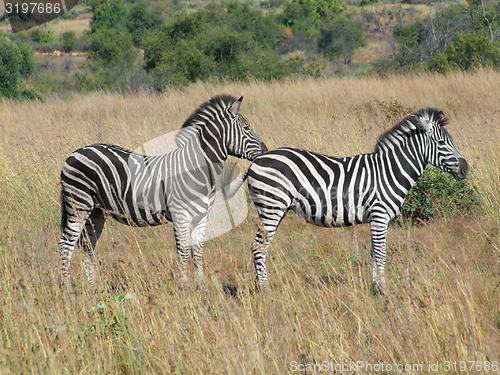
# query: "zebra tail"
[[229, 174], [64, 213]]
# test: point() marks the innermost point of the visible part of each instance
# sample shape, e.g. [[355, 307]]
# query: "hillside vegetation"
[[130, 46], [443, 297]]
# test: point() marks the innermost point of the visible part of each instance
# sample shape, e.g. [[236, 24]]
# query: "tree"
[[468, 51], [419, 42], [340, 37], [16, 62], [142, 19], [110, 40], [306, 15], [484, 17], [227, 41]]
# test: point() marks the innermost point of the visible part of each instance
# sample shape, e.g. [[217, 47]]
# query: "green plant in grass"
[[438, 194]]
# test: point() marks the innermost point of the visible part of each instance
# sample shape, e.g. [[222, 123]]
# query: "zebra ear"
[[423, 123], [235, 107]]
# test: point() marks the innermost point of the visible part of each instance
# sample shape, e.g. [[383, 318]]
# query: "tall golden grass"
[[443, 302]]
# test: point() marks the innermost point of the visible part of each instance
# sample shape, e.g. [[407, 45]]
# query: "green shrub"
[[142, 19], [108, 14], [110, 40], [438, 194], [340, 37], [468, 51], [69, 41], [43, 35], [16, 62], [110, 47], [213, 42]]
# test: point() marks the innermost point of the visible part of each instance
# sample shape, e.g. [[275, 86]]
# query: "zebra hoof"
[[262, 286], [379, 287]]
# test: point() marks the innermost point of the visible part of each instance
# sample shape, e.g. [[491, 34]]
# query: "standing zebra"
[[106, 180], [331, 191]]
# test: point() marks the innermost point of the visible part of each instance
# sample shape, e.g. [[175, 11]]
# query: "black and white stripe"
[[101, 180], [331, 191]]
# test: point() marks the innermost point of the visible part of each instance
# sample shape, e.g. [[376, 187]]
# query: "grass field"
[[443, 300]]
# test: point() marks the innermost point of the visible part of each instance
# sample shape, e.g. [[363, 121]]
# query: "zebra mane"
[[215, 104], [411, 123]]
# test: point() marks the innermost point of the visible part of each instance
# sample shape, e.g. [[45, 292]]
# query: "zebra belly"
[[149, 219], [329, 215]]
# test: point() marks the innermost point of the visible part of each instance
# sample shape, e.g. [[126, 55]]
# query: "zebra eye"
[[441, 142]]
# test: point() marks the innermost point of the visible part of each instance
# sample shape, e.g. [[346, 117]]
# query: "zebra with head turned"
[[331, 191], [102, 180]]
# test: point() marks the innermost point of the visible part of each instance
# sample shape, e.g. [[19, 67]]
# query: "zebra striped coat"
[[102, 180], [331, 191]]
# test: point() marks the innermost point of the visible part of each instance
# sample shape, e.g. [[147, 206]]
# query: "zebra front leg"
[[181, 232], [198, 237], [93, 229], [378, 228]]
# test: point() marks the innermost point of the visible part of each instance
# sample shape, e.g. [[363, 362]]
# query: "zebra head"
[[242, 142], [441, 150]]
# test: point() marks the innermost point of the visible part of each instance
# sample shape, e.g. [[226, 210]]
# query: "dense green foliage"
[[110, 40], [214, 41], [69, 41], [438, 194], [154, 44], [453, 37], [468, 51], [16, 61], [43, 35]]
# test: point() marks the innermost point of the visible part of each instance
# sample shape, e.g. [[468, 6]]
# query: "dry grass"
[[79, 24], [443, 303]]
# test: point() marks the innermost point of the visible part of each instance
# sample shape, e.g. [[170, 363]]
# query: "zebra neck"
[[214, 150], [405, 160]]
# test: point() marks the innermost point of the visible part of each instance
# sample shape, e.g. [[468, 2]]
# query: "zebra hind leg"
[[71, 232], [259, 248], [93, 230]]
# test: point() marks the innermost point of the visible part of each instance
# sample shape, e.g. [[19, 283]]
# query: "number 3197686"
[[32, 8]]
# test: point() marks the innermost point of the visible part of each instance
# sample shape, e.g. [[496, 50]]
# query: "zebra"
[[332, 191], [104, 180]]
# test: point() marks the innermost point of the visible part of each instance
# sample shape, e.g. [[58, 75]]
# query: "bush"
[[438, 194], [213, 42], [16, 63], [69, 41], [110, 41], [142, 19], [110, 47], [421, 42], [468, 51], [108, 15], [43, 36], [340, 37]]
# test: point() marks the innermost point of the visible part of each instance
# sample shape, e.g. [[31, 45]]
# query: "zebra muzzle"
[[263, 147], [463, 169]]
